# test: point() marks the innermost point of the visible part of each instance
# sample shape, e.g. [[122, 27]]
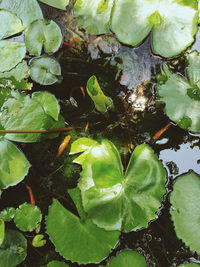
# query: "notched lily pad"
[[185, 210], [60, 4], [41, 34], [45, 70]]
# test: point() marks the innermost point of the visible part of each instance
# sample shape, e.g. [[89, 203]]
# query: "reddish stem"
[[31, 195]]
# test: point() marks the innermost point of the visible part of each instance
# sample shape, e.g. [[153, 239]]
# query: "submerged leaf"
[[11, 53], [27, 217], [185, 210], [86, 244], [182, 96], [27, 10], [13, 165], [13, 249], [127, 258], [61, 4], [43, 33], [10, 24], [117, 201], [44, 70]]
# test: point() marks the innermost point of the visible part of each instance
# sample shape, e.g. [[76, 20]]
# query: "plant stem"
[[39, 131]]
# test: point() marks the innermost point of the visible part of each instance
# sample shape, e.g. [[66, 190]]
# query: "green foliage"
[[38, 241], [11, 53], [133, 20], [185, 210], [27, 217], [10, 24], [43, 34], [2, 231], [117, 201], [27, 10], [44, 70], [127, 258], [189, 265], [13, 249], [61, 4], [13, 165], [57, 264], [86, 244], [22, 112], [7, 214], [185, 111]]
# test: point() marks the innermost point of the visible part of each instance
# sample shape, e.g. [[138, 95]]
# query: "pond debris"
[[40, 131]]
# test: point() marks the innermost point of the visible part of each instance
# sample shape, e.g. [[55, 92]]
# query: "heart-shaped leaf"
[[43, 34], [127, 258], [11, 53], [13, 165], [13, 249], [38, 241], [117, 201], [44, 70], [181, 95], [61, 4], [185, 210], [86, 244]]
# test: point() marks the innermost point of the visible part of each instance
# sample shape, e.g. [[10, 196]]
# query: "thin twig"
[[39, 131]]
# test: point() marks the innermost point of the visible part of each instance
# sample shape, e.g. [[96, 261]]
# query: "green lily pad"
[[93, 16], [16, 78], [13, 249], [7, 214], [185, 210], [117, 201], [27, 217], [45, 34], [57, 264], [13, 165], [44, 70], [10, 24], [11, 53], [27, 10], [38, 112], [60, 4], [2, 231], [87, 244], [182, 96], [189, 265], [127, 258]]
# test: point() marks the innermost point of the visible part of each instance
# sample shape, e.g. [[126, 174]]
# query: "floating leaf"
[[2, 231], [61, 4], [27, 217], [127, 258], [87, 244], [7, 214], [27, 10], [22, 112], [44, 70], [13, 249], [102, 102], [16, 78], [11, 53], [13, 165], [10, 24], [93, 16], [185, 210], [43, 33], [182, 96], [38, 241], [189, 265], [117, 201], [57, 264]]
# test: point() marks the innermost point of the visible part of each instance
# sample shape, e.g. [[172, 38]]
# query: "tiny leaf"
[[38, 241], [7, 214]]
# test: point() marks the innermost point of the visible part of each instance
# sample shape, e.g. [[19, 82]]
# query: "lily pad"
[[10, 24], [45, 34], [13, 249], [87, 244], [38, 112], [11, 53], [60, 4], [44, 70], [13, 166], [94, 16], [112, 199], [7, 214], [27, 10], [189, 265], [57, 264], [127, 258], [185, 210], [27, 217], [181, 95]]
